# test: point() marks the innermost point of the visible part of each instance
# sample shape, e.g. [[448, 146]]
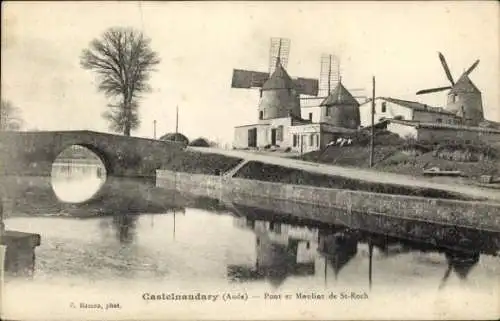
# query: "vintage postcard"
[[251, 160]]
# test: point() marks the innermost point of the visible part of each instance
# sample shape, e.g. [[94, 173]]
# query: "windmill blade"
[[306, 86], [432, 90], [248, 78], [280, 47], [446, 69], [329, 74], [471, 68]]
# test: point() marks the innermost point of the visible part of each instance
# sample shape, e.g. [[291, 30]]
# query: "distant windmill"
[[330, 76], [278, 54], [464, 98]]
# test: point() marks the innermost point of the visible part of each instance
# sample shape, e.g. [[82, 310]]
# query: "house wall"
[[262, 135], [315, 111], [392, 111], [241, 135], [304, 134], [286, 139], [431, 117]]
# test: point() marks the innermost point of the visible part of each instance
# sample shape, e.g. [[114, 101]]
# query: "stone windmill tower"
[[339, 107], [279, 93], [464, 98]]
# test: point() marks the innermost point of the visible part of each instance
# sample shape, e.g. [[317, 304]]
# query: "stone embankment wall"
[[477, 215]]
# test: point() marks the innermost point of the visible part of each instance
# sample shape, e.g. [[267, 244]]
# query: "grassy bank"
[[215, 164], [413, 158], [200, 163], [273, 173]]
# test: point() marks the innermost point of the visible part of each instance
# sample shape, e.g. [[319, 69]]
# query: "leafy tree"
[[10, 118], [123, 60]]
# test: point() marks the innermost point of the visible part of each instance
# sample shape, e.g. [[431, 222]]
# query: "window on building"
[[275, 227], [310, 116], [327, 111], [384, 107], [439, 120], [311, 140], [317, 140], [295, 140], [261, 114], [453, 98]]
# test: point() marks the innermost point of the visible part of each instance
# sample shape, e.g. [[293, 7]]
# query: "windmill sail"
[[432, 90], [446, 69], [471, 68], [329, 74], [248, 78], [306, 86], [280, 48]]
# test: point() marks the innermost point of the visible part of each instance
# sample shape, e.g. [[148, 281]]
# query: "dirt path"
[[358, 173]]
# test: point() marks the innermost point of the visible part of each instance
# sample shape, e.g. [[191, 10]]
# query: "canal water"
[[230, 261]]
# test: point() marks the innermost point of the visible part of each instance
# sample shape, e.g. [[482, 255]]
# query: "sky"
[[200, 43]]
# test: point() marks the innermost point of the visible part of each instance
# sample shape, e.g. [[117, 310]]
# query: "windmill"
[[278, 55], [330, 76], [464, 98]]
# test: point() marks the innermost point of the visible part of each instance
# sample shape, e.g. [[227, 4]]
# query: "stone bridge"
[[26, 160], [32, 153]]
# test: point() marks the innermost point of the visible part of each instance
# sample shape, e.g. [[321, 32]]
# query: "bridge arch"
[[99, 152], [28, 156]]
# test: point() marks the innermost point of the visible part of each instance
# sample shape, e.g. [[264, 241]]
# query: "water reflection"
[[124, 225], [281, 251], [202, 238], [285, 250], [460, 262], [74, 168], [338, 247]]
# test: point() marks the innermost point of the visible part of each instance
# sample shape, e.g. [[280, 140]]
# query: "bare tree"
[[123, 60], [10, 118]]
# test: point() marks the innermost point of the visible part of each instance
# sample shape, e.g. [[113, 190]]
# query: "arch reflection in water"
[[77, 174]]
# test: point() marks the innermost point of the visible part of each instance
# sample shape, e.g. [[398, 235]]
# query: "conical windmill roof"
[[339, 96], [279, 79], [464, 85]]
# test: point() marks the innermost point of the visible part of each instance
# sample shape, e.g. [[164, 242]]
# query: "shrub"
[[200, 142], [175, 137]]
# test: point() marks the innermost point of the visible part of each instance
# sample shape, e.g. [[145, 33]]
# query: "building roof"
[[339, 96], [416, 105], [279, 79], [464, 85], [489, 124], [418, 124]]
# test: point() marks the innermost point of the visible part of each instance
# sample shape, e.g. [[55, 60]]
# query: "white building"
[[431, 131], [392, 108], [281, 123]]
